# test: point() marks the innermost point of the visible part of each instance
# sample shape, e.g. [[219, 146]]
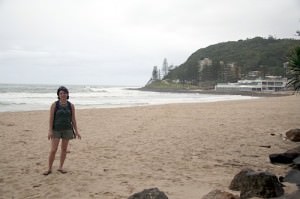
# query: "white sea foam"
[[40, 97]]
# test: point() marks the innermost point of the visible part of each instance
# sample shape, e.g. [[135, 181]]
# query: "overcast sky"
[[117, 42]]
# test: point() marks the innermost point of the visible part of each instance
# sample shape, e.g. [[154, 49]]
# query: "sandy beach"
[[185, 150]]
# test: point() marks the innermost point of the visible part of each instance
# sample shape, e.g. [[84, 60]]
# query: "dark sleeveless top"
[[62, 118]]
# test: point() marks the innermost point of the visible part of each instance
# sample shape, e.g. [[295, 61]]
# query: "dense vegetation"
[[258, 54], [294, 69]]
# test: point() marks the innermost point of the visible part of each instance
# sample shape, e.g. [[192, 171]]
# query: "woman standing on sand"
[[62, 126]]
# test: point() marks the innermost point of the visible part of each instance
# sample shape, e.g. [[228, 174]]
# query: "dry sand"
[[186, 150]]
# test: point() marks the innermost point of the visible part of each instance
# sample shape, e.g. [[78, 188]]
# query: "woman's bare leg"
[[54, 145], [64, 147]]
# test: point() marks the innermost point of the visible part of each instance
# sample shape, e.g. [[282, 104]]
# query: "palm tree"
[[294, 69]]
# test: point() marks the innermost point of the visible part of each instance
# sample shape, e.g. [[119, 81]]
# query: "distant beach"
[[186, 150], [214, 92]]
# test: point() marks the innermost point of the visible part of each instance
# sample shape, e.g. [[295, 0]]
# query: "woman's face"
[[63, 95]]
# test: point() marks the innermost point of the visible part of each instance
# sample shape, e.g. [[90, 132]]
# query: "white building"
[[271, 84]]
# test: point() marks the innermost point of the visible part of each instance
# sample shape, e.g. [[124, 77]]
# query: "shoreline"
[[136, 105], [161, 100], [78, 107]]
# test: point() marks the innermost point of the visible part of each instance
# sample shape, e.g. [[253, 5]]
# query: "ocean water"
[[21, 97]]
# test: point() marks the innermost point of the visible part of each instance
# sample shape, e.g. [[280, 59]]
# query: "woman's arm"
[[74, 123], [51, 120]]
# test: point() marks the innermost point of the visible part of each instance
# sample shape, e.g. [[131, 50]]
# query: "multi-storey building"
[[270, 84]]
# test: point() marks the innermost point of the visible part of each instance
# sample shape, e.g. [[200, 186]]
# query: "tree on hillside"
[[165, 67], [155, 73], [294, 69]]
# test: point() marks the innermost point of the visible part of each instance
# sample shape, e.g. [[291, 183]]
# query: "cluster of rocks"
[[252, 183], [290, 157], [264, 184]]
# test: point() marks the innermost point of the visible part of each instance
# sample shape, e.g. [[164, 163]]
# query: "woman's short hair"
[[62, 88]]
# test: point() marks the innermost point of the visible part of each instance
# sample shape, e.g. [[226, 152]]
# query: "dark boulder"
[[236, 183], [293, 176], [218, 194], [283, 158], [258, 184], [153, 193], [296, 162], [286, 157], [293, 135]]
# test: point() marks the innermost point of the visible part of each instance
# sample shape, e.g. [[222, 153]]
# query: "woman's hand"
[[50, 135], [78, 135]]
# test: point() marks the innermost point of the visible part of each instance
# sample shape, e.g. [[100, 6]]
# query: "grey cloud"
[[114, 41]]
